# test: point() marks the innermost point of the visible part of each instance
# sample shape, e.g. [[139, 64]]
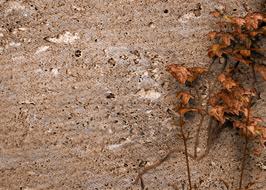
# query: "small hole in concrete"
[[77, 53], [110, 95], [166, 11], [234, 9]]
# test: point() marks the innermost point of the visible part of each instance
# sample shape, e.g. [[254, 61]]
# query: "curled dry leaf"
[[245, 52], [218, 113], [252, 20], [241, 59], [227, 81], [234, 102], [184, 96], [196, 72], [235, 20], [212, 35], [215, 13], [215, 50], [182, 111], [227, 38], [261, 69], [262, 133], [253, 128], [183, 74], [246, 130], [180, 73]]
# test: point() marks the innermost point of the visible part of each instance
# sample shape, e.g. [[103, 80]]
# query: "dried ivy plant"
[[230, 95], [230, 99]]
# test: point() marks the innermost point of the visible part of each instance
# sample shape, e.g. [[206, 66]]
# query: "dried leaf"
[[182, 111], [245, 52], [196, 72], [226, 38], [215, 13], [239, 21], [261, 69], [252, 20], [238, 57], [218, 113], [235, 20], [184, 96], [212, 35], [252, 129], [227, 81], [234, 102], [180, 73], [215, 50], [255, 33], [258, 16]]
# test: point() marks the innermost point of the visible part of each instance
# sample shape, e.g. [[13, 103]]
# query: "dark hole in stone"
[[111, 61], [234, 9], [95, 40], [125, 165], [110, 95], [78, 53], [166, 11]]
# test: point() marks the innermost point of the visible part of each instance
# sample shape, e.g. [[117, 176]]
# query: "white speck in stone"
[[55, 72], [198, 149], [14, 44], [66, 38], [117, 146], [42, 49], [22, 29], [186, 17], [149, 94], [114, 146]]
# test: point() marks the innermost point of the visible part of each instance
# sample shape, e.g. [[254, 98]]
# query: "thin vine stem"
[[184, 137]]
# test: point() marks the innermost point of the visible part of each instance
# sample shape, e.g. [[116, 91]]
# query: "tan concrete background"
[[84, 95]]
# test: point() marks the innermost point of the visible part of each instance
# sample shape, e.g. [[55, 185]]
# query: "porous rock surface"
[[85, 98]]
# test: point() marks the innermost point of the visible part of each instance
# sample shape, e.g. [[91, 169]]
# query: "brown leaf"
[[252, 20], [234, 102], [212, 35], [215, 50], [218, 113], [238, 57], [196, 72], [261, 69], [258, 16], [239, 124], [180, 73], [182, 111], [227, 81], [215, 13], [252, 129], [235, 20], [239, 21], [184, 96], [226, 38], [255, 33], [245, 52]]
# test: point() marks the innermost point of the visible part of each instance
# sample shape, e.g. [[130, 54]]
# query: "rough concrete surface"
[[85, 98]]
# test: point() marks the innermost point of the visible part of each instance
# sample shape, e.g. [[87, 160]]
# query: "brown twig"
[[148, 168], [245, 149], [181, 124]]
